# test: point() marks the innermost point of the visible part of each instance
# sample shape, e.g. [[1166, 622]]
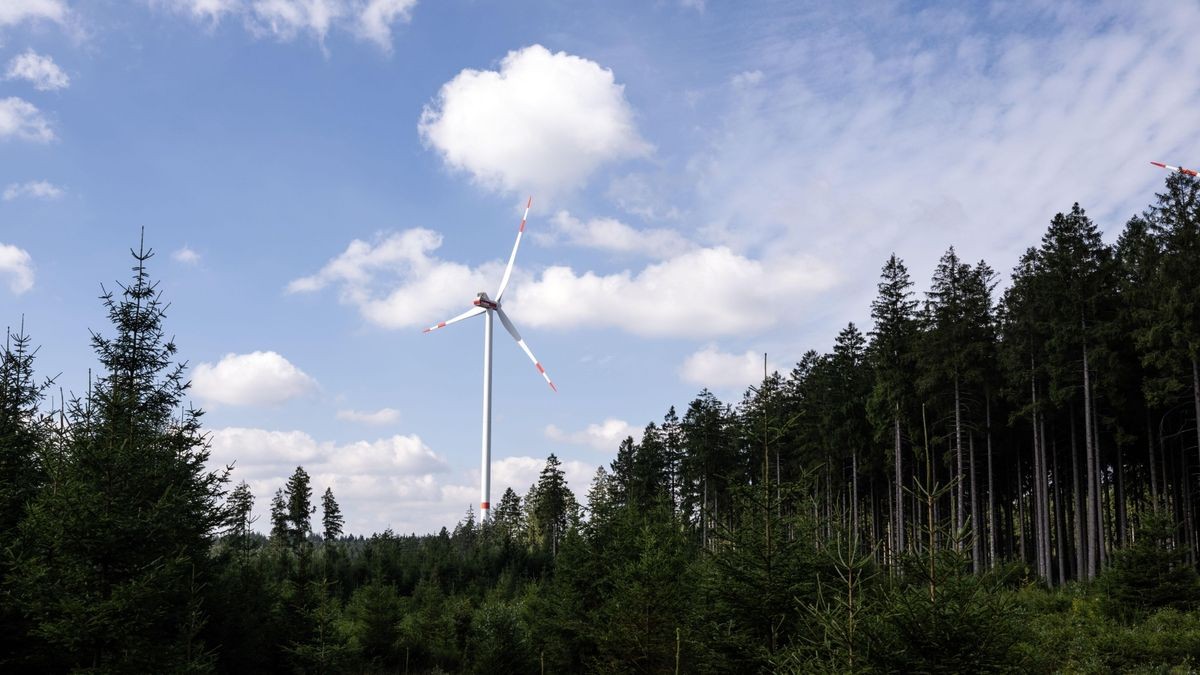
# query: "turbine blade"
[[513, 257], [1190, 172], [465, 315], [512, 330]]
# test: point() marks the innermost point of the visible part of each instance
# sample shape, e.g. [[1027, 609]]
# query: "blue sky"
[[323, 178]]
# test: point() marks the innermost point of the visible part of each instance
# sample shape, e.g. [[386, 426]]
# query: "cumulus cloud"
[[543, 122], [22, 120], [17, 265], [605, 436], [702, 293], [390, 481], [376, 417], [13, 12], [610, 234], [34, 189], [284, 20], [40, 71], [396, 282], [186, 256], [397, 482], [712, 368], [257, 378]]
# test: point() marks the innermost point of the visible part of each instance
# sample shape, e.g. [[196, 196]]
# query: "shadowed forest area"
[[981, 482]]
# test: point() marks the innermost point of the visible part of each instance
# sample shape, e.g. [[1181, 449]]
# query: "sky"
[[711, 181]]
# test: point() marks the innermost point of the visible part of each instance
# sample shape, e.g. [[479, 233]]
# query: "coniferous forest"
[[979, 479]]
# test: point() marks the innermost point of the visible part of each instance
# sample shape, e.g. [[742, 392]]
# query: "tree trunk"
[[976, 540], [991, 488], [1060, 525], [960, 510], [1093, 497], [899, 510], [1081, 553]]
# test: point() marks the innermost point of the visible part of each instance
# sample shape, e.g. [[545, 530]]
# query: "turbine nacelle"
[[482, 300]]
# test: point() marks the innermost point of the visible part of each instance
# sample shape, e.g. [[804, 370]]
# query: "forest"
[[985, 480]]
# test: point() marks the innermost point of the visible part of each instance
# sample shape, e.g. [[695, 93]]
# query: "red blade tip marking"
[[540, 368], [1159, 164], [553, 387], [530, 202], [485, 505]]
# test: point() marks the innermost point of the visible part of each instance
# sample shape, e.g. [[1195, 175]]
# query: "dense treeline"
[[982, 482]]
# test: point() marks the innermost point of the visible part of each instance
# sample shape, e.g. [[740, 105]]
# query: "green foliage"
[[1151, 574], [114, 558]]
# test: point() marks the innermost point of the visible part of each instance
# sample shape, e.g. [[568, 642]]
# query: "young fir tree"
[[24, 439], [116, 555], [331, 516]]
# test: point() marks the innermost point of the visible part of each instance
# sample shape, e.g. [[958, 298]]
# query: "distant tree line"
[[981, 482]]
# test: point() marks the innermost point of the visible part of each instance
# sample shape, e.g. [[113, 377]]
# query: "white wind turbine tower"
[[486, 306]]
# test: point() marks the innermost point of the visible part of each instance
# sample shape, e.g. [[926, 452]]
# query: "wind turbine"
[[486, 306], [1190, 172]]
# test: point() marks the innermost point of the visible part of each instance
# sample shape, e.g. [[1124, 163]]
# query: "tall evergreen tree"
[[116, 555], [892, 356], [331, 516], [298, 494]]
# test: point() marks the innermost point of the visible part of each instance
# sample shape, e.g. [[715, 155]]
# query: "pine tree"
[[331, 516], [554, 505], [892, 356], [239, 506], [115, 556], [298, 494], [279, 518]]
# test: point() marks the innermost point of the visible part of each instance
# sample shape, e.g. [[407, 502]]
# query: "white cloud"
[[867, 143], [186, 256], [396, 482], [542, 123], [34, 189], [13, 12], [746, 78], [705, 292], [284, 20], [376, 18], [22, 120], [386, 482], [610, 234], [41, 71], [210, 10], [376, 417], [719, 370], [257, 378], [605, 436], [422, 287], [702, 293], [17, 265]]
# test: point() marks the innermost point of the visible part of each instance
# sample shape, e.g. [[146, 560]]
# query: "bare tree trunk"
[[1060, 525], [1081, 553], [1153, 471], [1120, 497], [1093, 498], [1021, 510], [899, 511], [976, 540], [854, 479], [991, 489], [960, 502], [1101, 512], [1039, 475]]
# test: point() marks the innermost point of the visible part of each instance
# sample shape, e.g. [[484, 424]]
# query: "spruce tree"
[[115, 557], [331, 516], [279, 518], [239, 507], [298, 494]]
